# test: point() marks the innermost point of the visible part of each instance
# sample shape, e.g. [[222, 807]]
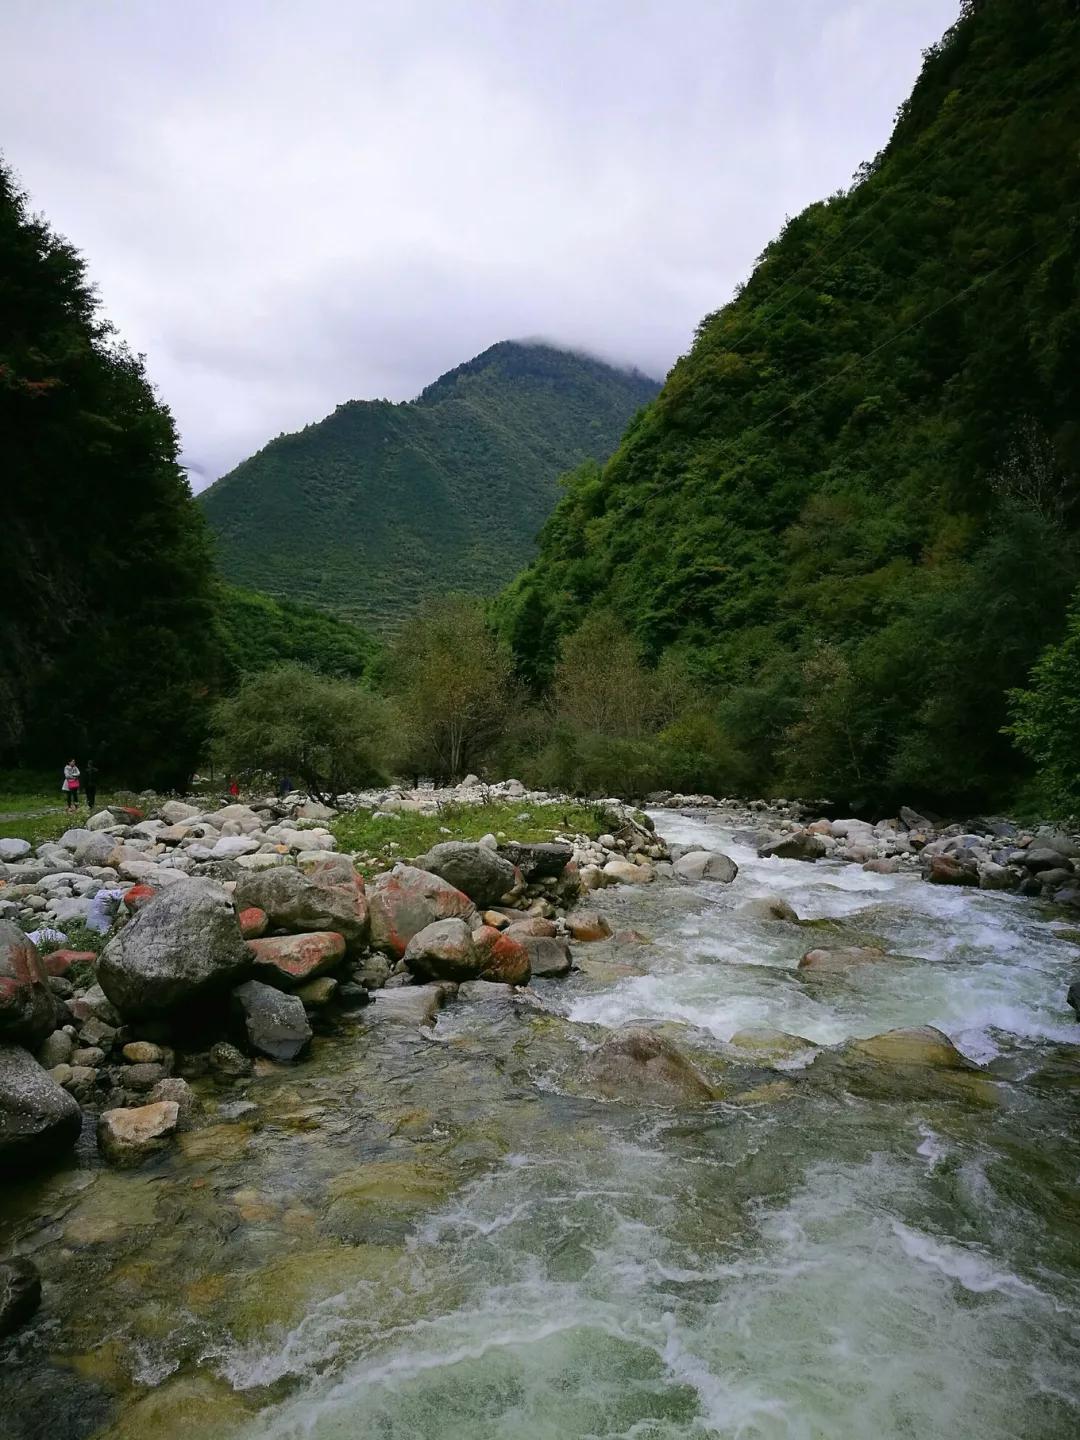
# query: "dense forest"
[[379, 504], [850, 515]]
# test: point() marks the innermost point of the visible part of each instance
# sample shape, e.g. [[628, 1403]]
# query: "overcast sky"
[[288, 205]]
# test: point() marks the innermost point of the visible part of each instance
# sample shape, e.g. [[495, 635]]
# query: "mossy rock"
[[766, 1046], [198, 1407], [276, 1297]]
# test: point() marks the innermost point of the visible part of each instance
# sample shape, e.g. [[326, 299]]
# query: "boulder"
[[173, 1088], [803, 845], [767, 1046], [314, 810], [290, 960], [332, 870], [924, 1045], [997, 877], [276, 1024], [443, 950], [55, 1049], [769, 907], [231, 847], [292, 901], [27, 1005], [410, 1004], [181, 947], [640, 1065], [227, 1062], [624, 872], [532, 925], [38, 1118], [950, 870], [481, 874], [12, 850], [545, 860], [317, 994], [504, 960], [912, 820], [254, 922], [175, 812], [587, 925], [548, 957], [127, 1137], [706, 865], [843, 958], [142, 1052], [20, 1293], [404, 900]]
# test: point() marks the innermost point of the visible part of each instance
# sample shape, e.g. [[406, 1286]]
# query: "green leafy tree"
[[454, 684], [329, 734], [1046, 719]]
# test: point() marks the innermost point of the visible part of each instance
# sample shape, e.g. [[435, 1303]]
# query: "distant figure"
[[70, 786], [89, 779], [234, 789], [286, 786]]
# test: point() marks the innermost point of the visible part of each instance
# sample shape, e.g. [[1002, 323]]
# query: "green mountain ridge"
[[852, 509], [379, 504]]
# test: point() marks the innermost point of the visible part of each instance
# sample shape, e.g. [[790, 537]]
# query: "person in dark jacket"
[[89, 784]]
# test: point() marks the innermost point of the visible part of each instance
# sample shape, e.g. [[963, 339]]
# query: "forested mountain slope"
[[852, 507], [380, 504], [106, 595]]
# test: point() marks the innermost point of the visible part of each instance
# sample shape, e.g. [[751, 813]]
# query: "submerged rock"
[[184, 945], [38, 1118], [841, 959], [769, 907], [127, 1137], [411, 1004], [766, 1045], [20, 1293], [640, 1065]]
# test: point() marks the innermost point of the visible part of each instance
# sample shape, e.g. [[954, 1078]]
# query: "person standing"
[[70, 785], [89, 784]]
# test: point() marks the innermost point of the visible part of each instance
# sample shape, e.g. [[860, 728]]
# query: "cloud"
[[289, 206]]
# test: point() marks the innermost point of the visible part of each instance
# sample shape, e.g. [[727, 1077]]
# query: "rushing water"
[[444, 1237]]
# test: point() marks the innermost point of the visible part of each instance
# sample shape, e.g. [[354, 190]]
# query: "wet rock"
[[641, 1066], [227, 1062], [276, 1024], [883, 865], [504, 960], [410, 1004], [1072, 997], [767, 1046], [372, 971], [183, 946], [548, 957], [443, 951], [38, 1118], [840, 959], [950, 870], [924, 1045], [593, 878], [481, 874], [587, 925], [292, 901], [87, 1057], [20, 1293], [127, 1137], [535, 925], [82, 1083], [803, 845], [699, 865], [545, 860], [27, 1006], [291, 960], [317, 994], [404, 900], [769, 907], [997, 877], [180, 1092], [144, 1076], [143, 1052]]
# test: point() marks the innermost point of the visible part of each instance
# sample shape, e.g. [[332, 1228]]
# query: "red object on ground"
[[61, 961], [138, 896]]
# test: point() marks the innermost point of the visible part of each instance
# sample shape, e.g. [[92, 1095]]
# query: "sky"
[[288, 205]]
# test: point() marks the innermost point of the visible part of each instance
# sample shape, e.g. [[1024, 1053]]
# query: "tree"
[[601, 686], [330, 734], [454, 685], [1046, 719]]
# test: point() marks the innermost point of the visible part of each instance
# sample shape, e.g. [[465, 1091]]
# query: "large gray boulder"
[[27, 1004], [802, 845], [546, 859], [549, 957], [706, 865], [293, 902], [276, 1024], [403, 900], [444, 950], [474, 869], [38, 1119], [183, 945]]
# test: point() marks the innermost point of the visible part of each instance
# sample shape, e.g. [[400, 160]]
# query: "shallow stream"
[[442, 1236]]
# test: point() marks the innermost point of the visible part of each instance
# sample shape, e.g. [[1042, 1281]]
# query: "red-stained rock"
[[443, 950], [405, 900], [948, 870], [254, 922], [126, 814], [505, 960], [588, 926], [138, 896], [289, 960], [27, 1006], [61, 961], [294, 902]]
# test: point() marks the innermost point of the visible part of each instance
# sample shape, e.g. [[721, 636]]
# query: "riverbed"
[[444, 1235]]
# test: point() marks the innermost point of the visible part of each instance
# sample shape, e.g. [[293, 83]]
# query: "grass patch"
[[379, 842], [45, 815]]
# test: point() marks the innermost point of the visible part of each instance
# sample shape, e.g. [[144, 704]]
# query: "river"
[[443, 1237]]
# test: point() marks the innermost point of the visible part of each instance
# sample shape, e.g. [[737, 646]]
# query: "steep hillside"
[[106, 597], [379, 504], [852, 508]]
